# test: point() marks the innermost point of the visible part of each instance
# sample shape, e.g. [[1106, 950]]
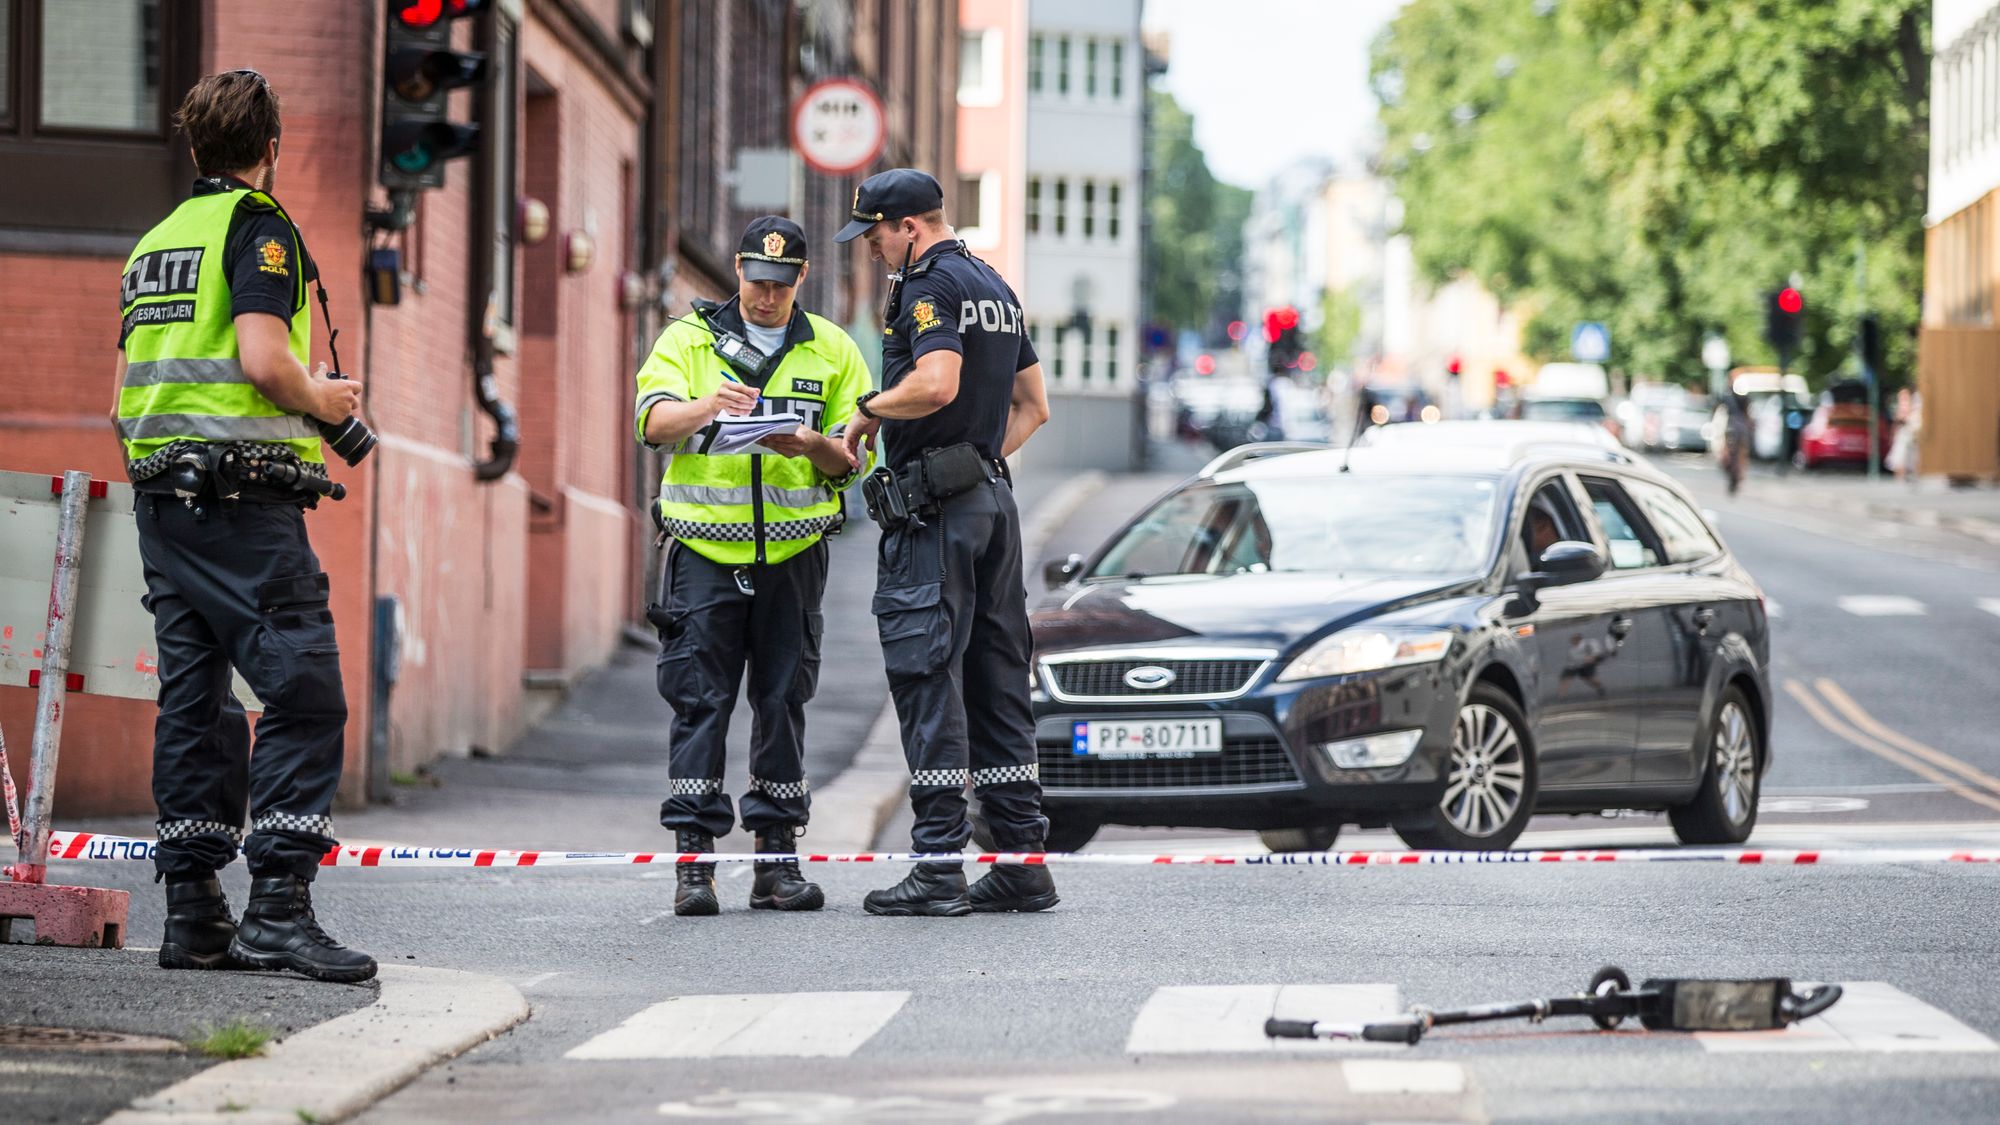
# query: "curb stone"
[[870, 790], [339, 1068]]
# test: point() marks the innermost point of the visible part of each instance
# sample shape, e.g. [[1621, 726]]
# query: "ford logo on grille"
[[1149, 677]]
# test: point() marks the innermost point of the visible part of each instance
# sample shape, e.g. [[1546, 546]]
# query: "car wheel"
[[1318, 838], [1724, 809], [1490, 780]]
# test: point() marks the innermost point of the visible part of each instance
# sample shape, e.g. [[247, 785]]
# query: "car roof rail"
[[1578, 450], [1259, 451]]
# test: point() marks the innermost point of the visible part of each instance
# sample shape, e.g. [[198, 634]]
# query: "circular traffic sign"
[[839, 126]]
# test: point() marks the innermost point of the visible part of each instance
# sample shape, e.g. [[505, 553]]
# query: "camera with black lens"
[[352, 439]]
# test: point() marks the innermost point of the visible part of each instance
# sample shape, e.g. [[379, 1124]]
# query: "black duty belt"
[[904, 495]]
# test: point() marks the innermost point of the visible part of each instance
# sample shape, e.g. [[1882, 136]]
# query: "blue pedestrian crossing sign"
[[1590, 342]]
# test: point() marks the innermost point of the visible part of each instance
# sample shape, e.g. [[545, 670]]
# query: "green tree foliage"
[[1662, 164], [1197, 225]]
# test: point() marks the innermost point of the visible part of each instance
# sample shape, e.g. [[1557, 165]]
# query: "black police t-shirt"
[[957, 303], [260, 257]]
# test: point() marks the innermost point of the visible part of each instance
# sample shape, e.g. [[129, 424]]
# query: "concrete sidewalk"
[[1932, 503]]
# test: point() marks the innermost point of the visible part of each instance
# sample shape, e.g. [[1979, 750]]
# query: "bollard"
[[84, 916]]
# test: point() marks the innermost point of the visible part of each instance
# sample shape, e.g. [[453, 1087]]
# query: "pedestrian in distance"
[[743, 514], [964, 390], [216, 402]]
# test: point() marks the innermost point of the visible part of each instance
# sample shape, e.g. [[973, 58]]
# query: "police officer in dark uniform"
[[963, 390], [217, 411]]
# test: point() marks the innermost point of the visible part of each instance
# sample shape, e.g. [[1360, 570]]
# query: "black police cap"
[[773, 249], [895, 194]]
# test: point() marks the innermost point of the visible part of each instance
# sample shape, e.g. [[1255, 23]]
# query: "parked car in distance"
[[1568, 392], [1664, 417], [1440, 637], [1770, 397], [1837, 432]]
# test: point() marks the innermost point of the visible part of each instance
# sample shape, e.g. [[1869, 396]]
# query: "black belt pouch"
[[954, 469]]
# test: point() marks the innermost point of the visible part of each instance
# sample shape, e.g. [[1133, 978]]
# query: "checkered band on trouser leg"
[[1002, 775], [779, 790], [182, 829], [294, 822], [935, 779], [694, 786]]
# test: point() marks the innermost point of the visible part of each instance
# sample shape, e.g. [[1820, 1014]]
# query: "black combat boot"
[[199, 926], [694, 883], [934, 890], [778, 885], [1022, 887], [279, 931]]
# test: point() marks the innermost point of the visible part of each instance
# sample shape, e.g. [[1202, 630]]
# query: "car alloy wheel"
[[1735, 767], [1487, 777]]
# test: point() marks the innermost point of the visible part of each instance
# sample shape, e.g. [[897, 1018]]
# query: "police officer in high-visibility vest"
[[745, 509], [216, 405], [964, 390]]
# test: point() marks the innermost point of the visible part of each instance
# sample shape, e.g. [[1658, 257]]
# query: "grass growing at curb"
[[233, 1040]]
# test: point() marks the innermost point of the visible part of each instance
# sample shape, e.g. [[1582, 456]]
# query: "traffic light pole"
[[1868, 371]]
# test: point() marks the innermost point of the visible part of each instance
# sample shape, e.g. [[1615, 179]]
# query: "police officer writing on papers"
[[216, 410], [964, 390], [745, 510]]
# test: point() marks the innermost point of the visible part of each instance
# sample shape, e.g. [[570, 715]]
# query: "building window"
[[1034, 205], [1056, 352], [86, 89], [1111, 211], [1117, 69], [980, 72], [1111, 353], [979, 209], [1090, 68], [1089, 346], [1062, 65], [1035, 337], [1062, 208], [1037, 47], [1089, 209]]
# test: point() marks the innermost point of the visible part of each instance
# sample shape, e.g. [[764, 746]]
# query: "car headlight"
[[1368, 650]]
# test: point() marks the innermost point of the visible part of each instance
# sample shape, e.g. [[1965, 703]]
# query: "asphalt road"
[[1139, 996]]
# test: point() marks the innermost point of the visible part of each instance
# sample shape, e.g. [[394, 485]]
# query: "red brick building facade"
[[504, 577]]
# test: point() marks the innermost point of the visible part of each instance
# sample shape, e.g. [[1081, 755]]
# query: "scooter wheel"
[[1609, 981]]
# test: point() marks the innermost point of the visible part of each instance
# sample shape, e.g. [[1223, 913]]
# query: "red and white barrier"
[[89, 846]]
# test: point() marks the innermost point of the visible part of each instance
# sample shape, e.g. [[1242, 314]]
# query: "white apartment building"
[[1085, 107]]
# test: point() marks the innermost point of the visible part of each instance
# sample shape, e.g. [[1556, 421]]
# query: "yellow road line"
[[1846, 705], [1915, 765]]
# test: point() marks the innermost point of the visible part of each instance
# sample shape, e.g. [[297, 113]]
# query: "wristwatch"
[[861, 404]]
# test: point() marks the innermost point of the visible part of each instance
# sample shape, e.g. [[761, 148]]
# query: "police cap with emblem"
[[895, 194], [773, 249]]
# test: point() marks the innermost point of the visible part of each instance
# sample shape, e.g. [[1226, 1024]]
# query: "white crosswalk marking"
[[1882, 605], [1871, 1016], [1209, 1019], [793, 1024], [1990, 605]]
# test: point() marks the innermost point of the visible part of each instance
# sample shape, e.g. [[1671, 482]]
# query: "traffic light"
[[419, 70], [1871, 346], [1784, 322], [1281, 331]]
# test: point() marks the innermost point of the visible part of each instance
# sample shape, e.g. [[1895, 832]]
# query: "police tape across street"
[[88, 846]]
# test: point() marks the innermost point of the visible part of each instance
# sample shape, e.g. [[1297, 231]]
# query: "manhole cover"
[[73, 1039]]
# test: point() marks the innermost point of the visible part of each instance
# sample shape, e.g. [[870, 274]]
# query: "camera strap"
[[326, 314]]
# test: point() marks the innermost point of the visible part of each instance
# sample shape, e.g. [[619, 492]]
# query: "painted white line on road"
[[1882, 605], [1990, 605], [1871, 1016], [1227, 1019], [1380, 1076], [541, 978], [786, 1024]]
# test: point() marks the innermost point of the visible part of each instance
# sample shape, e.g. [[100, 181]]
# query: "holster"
[[899, 498]]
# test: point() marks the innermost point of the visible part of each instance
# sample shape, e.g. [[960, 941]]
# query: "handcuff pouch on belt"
[[898, 499], [220, 470]]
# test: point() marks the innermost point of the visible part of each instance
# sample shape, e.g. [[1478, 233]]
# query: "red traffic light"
[[1288, 317], [1204, 364], [1455, 367], [424, 13], [1238, 330], [1791, 300]]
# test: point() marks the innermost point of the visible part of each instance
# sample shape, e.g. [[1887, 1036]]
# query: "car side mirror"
[[1057, 573], [1565, 564]]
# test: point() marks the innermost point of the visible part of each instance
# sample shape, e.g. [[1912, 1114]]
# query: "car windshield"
[[1345, 525], [1561, 409]]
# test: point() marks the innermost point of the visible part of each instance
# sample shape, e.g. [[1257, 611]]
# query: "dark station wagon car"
[[1445, 637]]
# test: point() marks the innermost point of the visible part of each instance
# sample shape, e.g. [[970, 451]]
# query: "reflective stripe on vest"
[[712, 495], [183, 378]]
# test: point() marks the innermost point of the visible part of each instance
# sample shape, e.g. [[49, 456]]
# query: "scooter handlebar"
[[1289, 1029]]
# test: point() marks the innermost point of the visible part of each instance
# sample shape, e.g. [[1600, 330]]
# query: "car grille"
[[1105, 679], [1243, 762]]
